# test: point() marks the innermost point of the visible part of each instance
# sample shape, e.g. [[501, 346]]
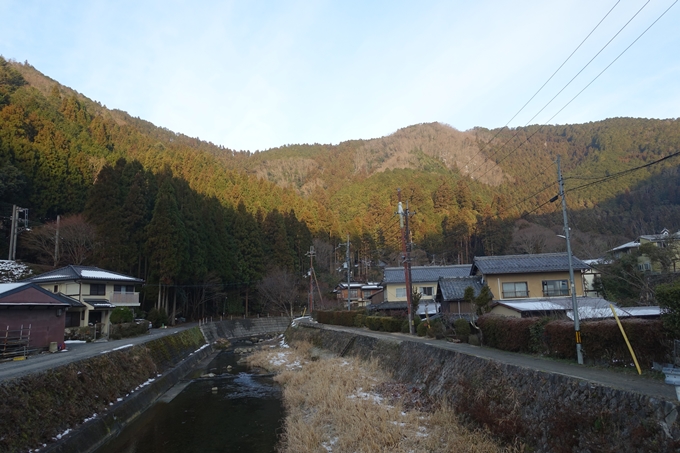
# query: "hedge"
[[602, 342]]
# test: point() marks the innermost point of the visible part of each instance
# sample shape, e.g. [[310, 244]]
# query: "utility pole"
[[403, 223], [15, 230], [56, 244], [577, 327], [311, 255], [12, 232], [349, 274]]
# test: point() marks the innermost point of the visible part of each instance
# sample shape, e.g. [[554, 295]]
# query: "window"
[[56, 289], [515, 289], [555, 288], [125, 289], [426, 290], [367, 294], [97, 289], [401, 292], [645, 267], [353, 293]]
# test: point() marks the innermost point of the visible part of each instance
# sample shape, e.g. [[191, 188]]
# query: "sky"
[[253, 75]]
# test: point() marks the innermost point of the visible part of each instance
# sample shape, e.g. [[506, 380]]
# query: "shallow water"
[[244, 414]]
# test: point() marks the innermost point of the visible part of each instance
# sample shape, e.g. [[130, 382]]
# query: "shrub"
[[120, 315], [462, 327], [436, 329], [374, 322], [390, 324], [158, 317], [126, 330], [344, 318], [324, 317], [421, 329], [508, 334], [360, 320]]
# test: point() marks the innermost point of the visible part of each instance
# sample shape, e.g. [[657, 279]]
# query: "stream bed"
[[237, 410]]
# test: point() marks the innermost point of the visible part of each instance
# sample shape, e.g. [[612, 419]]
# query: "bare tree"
[[77, 240], [279, 290]]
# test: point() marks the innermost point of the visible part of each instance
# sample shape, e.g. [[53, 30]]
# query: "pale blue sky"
[[255, 75]]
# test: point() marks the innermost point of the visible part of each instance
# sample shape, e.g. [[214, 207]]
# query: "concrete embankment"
[[548, 412], [244, 327], [79, 406]]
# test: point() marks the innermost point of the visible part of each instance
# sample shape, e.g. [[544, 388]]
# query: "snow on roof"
[[49, 277], [626, 312], [104, 275], [539, 305], [5, 287]]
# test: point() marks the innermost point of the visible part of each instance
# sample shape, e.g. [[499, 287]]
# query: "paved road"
[[614, 379], [41, 362]]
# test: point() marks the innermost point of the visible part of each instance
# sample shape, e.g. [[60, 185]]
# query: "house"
[[99, 290], [424, 280], [31, 318], [359, 293], [645, 263], [451, 292], [529, 276]]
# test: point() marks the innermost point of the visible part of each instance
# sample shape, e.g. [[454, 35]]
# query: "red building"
[[30, 318]]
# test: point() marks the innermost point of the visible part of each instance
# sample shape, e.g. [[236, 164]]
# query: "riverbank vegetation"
[[349, 405]]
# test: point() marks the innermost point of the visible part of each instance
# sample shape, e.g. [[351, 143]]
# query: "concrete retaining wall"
[[244, 327], [547, 412]]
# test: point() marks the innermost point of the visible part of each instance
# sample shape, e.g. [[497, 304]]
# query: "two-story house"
[[535, 285], [99, 290], [359, 293], [424, 280]]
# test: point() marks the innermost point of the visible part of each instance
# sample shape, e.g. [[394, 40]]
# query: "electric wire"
[[590, 83], [544, 84]]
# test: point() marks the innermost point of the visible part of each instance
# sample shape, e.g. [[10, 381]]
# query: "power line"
[[590, 83], [544, 84]]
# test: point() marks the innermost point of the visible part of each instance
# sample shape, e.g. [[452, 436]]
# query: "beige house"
[[99, 290], [531, 285]]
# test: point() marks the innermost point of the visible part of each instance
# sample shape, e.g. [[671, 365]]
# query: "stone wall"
[[547, 412]]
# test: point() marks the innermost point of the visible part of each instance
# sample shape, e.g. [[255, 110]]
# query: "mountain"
[[467, 188]]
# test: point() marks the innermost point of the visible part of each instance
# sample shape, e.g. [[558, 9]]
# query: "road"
[[79, 351], [614, 379]]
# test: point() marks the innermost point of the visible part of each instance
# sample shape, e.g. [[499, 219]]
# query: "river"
[[235, 411]]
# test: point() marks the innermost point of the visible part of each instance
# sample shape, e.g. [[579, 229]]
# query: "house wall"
[[391, 291], [457, 307], [505, 311], [534, 282], [45, 325]]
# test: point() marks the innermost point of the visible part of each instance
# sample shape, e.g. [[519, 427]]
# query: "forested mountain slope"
[[467, 188]]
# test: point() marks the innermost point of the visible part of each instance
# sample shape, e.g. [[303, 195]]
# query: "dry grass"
[[334, 405]]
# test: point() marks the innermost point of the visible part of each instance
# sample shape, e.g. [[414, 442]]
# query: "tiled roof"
[[520, 264], [454, 288], [34, 295], [83, 273], [426, 273]]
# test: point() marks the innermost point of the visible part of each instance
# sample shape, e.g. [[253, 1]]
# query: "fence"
[[15, 343]]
